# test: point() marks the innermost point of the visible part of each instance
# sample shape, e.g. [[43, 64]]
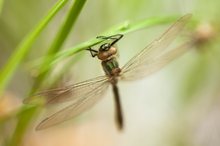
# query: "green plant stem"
[[124, 28], [26, 114], [1, 5], [59, 41], [23, 48]]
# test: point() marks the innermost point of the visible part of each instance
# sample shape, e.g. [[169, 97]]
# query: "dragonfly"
[[84, 95]]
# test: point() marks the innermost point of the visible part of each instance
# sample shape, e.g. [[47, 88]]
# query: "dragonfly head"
[[106, 51], [105, 47]]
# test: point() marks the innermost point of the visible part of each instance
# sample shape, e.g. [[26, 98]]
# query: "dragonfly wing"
[[158, 46], [147, 68], [75, 108], [71, 92]]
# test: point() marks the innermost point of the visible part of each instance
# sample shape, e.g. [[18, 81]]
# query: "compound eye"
[[105, 47]]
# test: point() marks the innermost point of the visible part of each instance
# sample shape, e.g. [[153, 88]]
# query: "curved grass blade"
[[58, 41], [25, 115], [24, 47], [1, 5], [123, 28], [120, 29]]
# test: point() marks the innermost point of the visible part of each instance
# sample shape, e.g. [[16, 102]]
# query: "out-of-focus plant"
[[24, 47], [199, 94], [21, 52], [1, 3]]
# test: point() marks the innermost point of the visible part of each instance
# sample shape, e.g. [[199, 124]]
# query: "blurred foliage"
[[24, 47], [207, 50], [1, 3], [24, 117], [59, 40]]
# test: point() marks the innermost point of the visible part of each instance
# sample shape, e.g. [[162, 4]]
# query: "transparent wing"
[[155, 64], [77, 107], [71, 92], [157, 47]]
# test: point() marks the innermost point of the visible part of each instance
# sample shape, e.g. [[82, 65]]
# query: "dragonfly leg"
[[115, 38], [93, 52]]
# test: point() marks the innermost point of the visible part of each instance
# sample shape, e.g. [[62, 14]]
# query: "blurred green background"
[[177, 106]]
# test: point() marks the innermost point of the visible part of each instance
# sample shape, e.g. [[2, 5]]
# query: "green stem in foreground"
[[1, 4], [124, 28], [59, 41], [23, 48], [26, 114]]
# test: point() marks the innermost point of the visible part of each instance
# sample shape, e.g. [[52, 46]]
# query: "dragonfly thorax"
[[106, 52], [111, 67]]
